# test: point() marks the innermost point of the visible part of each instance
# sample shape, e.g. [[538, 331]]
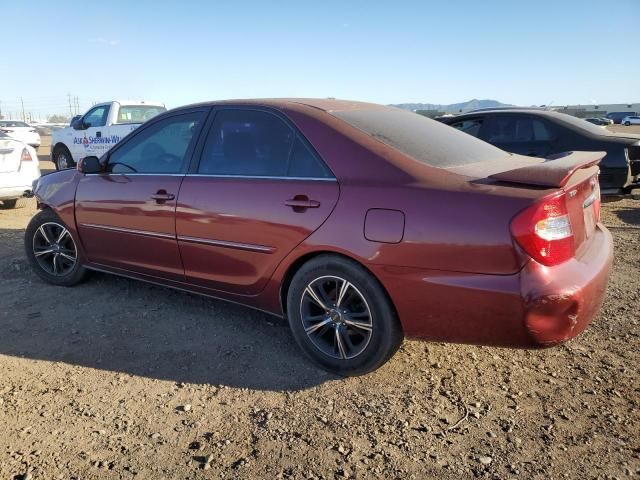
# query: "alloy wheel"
[[336, 317], [54, 249], [62, 161]]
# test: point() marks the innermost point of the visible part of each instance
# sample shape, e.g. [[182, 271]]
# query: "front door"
[[126, 216], [90, 140], [259, 190]]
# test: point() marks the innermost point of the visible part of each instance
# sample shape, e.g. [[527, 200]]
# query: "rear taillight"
[[26, 156], [543, 230]]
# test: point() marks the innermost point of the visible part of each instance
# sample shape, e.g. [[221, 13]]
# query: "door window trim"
[[207, 126], [163, 116]]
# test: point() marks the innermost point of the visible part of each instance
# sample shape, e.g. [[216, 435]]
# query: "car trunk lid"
[[9, 156], [569, 191]]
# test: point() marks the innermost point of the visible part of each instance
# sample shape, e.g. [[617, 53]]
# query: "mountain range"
[[453, 107]]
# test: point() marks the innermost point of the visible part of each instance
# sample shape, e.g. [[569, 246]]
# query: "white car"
[[21, 131], [630, 121], [19, 168]]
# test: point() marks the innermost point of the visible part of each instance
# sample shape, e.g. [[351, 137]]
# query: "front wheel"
[[341, 316], [626, 124], [62, 158], [52, 250]]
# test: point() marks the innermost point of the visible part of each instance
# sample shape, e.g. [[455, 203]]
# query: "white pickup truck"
[[98, 130]]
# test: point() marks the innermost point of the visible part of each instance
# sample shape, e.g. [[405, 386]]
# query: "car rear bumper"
[[10, 193], [537, 307]]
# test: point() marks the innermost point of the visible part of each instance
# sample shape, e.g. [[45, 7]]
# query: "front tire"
[[627, 124], [62, 158], [341, 316], [52, 251]]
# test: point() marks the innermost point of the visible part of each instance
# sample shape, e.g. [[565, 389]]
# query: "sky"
[[524, 53]]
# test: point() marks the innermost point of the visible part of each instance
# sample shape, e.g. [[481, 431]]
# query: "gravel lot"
[[119, 379]]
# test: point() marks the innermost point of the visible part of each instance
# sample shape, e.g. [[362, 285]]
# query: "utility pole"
[[1, 117], [24, 118], [70, 111], [77, 106]]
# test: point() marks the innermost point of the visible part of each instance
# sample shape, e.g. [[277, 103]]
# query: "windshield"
[[421, 138], [12, 123], [138, 113]]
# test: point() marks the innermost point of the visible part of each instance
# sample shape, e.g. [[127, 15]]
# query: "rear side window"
[[254, 143], [138, 113], [513, 129], [421, 138], [159, 148]]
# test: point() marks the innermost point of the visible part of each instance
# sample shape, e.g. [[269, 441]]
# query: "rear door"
[[258, 191], [126, 216], [522, 134]]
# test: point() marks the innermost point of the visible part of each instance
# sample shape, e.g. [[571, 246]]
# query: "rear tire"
[[627, 124], [7, 204], [52, 251], [62, 158], [357, 332]]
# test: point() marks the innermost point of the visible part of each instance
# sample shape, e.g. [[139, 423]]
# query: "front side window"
[[96, 117], [159, 148], [471, 126]]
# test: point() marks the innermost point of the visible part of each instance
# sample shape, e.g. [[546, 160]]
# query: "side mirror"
[[74, 120], [89, 165]]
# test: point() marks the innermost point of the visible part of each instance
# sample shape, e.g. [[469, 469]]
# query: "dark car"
[[361, 224], [598, 121], [542, 133], [618, 116]]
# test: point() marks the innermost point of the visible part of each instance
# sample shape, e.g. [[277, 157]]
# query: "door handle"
[[162, 196], [98, 134], [300, 203]]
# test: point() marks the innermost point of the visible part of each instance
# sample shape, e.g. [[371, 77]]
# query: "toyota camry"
[[361, 224]]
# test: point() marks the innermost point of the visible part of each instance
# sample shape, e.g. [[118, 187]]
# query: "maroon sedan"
[[361, 224]]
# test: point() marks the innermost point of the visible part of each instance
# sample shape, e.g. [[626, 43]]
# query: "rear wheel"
[[341, 316], [62, 158], [52, 250], [6, 204], [626, 124]]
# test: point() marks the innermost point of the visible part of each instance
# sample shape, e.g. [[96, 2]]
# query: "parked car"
[[607, 121], [21, 131], [631, 120], [99, 129], [617, 117], [19, 168], [361, 224], [598, 121], [543, 133]]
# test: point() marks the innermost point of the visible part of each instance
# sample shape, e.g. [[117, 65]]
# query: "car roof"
[[328, 105]]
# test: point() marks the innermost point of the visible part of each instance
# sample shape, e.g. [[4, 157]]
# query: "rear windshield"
[[580, 123], [421, 138], [138, 113], [12, 123]]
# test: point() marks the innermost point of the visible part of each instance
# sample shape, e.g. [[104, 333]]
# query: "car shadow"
[[121, 325], [630, 216]]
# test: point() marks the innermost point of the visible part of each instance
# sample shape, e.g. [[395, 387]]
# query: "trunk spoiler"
[[553, 172]]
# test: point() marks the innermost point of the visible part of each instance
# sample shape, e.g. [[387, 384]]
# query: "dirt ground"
[[119, 379]]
